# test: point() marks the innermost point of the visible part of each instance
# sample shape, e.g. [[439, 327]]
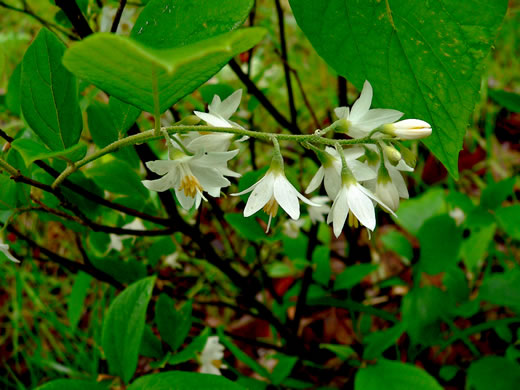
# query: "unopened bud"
[[190, 120], [392, 154], [342, 126], [408, 156], [408, 129]]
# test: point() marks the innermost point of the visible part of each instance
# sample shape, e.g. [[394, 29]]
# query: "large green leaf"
[[72, 384], [49, 93], [493, 372], [31, 150], [124, 326], [391, 375], [175, 72], [165, 24], [422, 57], [179, 380], [174, 325]]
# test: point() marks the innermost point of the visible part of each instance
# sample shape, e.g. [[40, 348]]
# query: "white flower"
[[116, 240], [458, 215], [355, 198], [408, 129], [173, 260], [189, 175], [390, 186], [317, 213], [272, 190], [330, 171], [4, 248], [291, 228], [361, 120], [211, 356]]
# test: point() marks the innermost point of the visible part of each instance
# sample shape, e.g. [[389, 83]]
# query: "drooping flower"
[[359, 121], [330, 171], [317, 213], [173, 260], [272, 190], [218, 116], [211, 356], [390, 186], [116, 240], [190, 175], [4, 248], [408, 129]]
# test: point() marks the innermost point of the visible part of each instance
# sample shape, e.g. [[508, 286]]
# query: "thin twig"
[[342, 91], [117, 17], [73, 13]]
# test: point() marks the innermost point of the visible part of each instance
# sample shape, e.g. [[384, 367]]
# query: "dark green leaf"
[[440, 241], [493, 372], [49, 93], [508, 218], [481, 226], [123, 271], [398, 243], [124, 326], [12, 98], [123, 115], [502, 289], [283, 368], [32, 150], [179, 380], [341, 351], [509, 100], [150, 345], [321, 260], [164, 24], [118, 177], [391, 375], [190, 352], [379, 342], [495, 193], [353, 275], [177, 72], [247, 228], [76, 299], [174, 325], [422, 57], [72, 384]]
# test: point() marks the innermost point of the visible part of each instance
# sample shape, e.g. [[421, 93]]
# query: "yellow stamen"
[[352, 220], [271, 207], [190, 185]]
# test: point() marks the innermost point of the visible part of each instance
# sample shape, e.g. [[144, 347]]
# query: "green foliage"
[[124, 326], [173, 324], [32, 150], [424, 58], [168, 74], [179, 380], [49, 92], [353, 275], [394, 376], [493, 372], [72, 384]]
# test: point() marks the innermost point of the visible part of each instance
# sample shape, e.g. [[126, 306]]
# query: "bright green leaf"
[[353, 275], [72, 384], [12, 98], [164, 24], [118, 177], [49, 93], [495, 193], [179, 380], [398, 243], [414, 212], [76, 299], [123, 115], [341, 351], [177, 72], [247, 228], [493, 372], [390, 375], [508, 218], [502, 289], [422, 57], [32, 150], [379, 342], [509, 100], [124, 326]]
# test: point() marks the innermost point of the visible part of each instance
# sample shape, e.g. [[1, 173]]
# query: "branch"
[[342, 92], [73, 13], [283, 44], [117, 17]]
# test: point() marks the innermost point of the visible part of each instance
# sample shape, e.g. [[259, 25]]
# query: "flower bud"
[[190, 120], [342, 126], [392, 154], [408, 156], [408, 129]]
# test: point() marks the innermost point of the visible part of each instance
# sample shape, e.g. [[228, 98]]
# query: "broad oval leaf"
[[422, 57], [172, 23], [179, 380], [175, 72], [31, 150], [124, 326], [49, 93], [391, 375], [72, 384]]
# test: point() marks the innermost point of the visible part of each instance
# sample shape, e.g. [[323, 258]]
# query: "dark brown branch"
[[342, 92], [285, 62], [117, 17], [73, 13]]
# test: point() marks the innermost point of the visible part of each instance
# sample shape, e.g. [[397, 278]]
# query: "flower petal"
[[209, 177], [164, 183], [332, 182], [212, 120], [161, 167], [249, 189], [398, 182], [229, 106], [361, 206], [285, 195], [377, 199], [379, 116], [186, 202], [339, 212], [362, 105], [342, 112], [316, 180], [361, 171], [261, 195]]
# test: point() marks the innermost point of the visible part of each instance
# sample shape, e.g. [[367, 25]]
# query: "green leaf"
[[379, 342], [118, 177], [508, 218], [283, 368], [341, 351], [440, 241], [72, 384], [179, 380], [398, 243], [177, 72], [391, 375], [190, 352], [502, 289], [321, 260], [49, 93], [32, 150], [125, 272], [174, 325], [414, 212], [76, 299], [482, 227], [12, 98], [353, 275], [509, 100], [150, 345], [493, 372], [246, 228], [124, 326], [496, 193], [123, 115], [422, 57], [164, 24]]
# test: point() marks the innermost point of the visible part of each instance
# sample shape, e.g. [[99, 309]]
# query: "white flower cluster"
[[356, 178]]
